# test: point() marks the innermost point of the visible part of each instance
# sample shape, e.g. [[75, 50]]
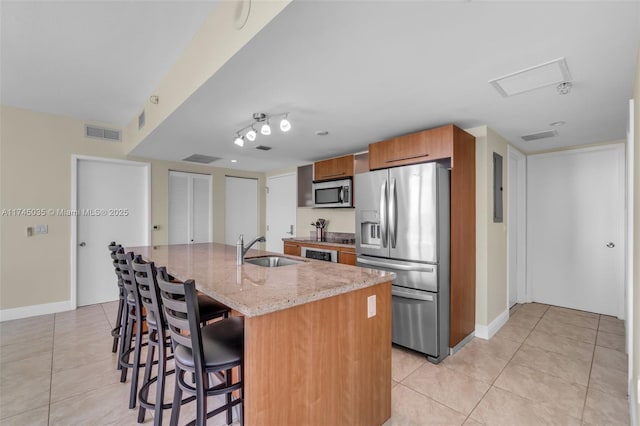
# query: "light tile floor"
[[547, 365]]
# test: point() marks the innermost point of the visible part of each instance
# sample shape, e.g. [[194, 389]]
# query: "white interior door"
[[190, 209], [178, 208], [516, 222], [113, 205], [575, 215], [281, 210], [241, 209]]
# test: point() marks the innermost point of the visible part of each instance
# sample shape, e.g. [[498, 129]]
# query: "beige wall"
[[35, 172], [340, 220], [635, 370], [491, 238], [213, 45], [160, 200]]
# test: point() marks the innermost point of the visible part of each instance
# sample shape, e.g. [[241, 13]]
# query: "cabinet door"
[[333, 168], [429, 145], [347, 256], [292, 249]]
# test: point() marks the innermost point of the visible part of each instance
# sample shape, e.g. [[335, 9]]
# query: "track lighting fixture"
[[285, 126], [263, 122], [251, 135]]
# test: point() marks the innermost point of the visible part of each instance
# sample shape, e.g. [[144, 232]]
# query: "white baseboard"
[[487, 331], [633, 398], [34, 310]]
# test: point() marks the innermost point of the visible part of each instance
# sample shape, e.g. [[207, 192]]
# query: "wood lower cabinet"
[[333, 168], [291, 248], [346, 255]]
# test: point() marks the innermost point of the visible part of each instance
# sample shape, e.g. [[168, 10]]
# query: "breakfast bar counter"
[[314, 354]]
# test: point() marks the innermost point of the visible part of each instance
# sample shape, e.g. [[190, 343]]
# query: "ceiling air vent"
[[539, 135], [263, 147], [532, 78], [141, 120], [200, 158], [102, 133]]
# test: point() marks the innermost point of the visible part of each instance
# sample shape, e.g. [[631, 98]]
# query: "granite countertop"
[[256, 290], [327, 242]]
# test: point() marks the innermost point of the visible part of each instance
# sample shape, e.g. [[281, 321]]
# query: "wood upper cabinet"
[[428, 145], [333, 168]]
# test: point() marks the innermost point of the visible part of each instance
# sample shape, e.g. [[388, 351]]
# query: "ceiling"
[[93, 60], [363, 71]]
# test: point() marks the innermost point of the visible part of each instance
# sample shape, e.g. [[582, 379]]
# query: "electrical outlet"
[[371, 306]]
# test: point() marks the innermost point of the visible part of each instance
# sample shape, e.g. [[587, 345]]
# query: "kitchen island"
[[313, 355]]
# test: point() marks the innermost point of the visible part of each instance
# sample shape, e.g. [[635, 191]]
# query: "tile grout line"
[[53, 343], [593, 358], [492, 384]]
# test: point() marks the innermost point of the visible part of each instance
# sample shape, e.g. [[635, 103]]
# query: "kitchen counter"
[[256, 290], [338, 242], [314, 351]]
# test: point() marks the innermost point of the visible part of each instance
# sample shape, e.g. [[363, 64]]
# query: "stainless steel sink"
[[272, 261]]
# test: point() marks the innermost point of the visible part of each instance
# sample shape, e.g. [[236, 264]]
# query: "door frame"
[[520, 256], [75, 160]]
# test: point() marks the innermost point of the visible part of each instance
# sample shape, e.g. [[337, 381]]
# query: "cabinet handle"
[[333, 175], [406, 158]]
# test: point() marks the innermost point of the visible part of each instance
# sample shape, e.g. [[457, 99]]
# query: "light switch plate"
[[371, 306]]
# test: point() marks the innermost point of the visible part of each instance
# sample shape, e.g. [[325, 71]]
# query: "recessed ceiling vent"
[[539, 135], [263, 147], [101, 133], [536, 77], [141, 120], [200, 158]]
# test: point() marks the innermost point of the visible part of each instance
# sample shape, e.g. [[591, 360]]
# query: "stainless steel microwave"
[[334, 193]]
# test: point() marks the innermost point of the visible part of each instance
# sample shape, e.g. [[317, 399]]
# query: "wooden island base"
[[321, 363]]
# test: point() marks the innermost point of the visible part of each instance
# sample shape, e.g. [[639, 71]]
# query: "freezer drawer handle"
[[407, 295], [395, 266]]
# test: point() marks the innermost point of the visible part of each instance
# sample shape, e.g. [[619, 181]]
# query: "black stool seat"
[[210, 308], [221, 343]]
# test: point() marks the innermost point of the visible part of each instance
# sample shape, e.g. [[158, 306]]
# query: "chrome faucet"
[[241, 250]]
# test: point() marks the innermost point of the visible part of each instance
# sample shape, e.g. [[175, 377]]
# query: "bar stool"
[[158, 337], [145, 276], [133, 332], [215, 349], [116, 332]]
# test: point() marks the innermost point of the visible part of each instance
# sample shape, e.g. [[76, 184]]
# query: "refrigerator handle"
[[415, 296], [393, 213], [391, 265], [383, 213]]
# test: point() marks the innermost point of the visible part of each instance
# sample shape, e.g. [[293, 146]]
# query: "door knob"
[[610, 245], [82, 244]]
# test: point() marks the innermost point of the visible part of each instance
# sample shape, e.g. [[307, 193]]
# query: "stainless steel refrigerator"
[[402, 225]]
